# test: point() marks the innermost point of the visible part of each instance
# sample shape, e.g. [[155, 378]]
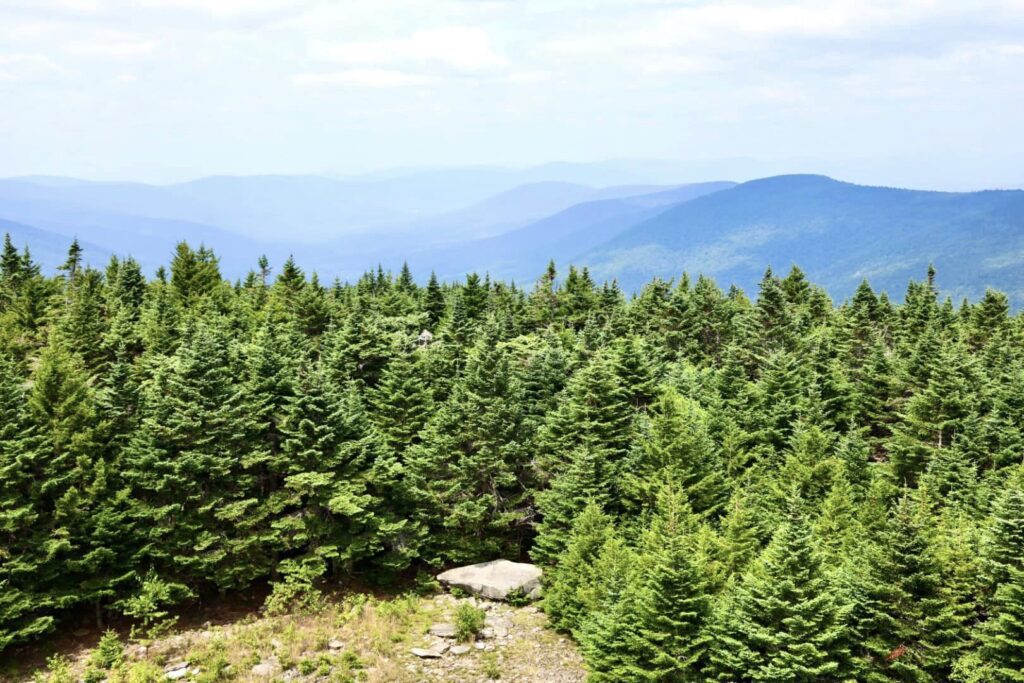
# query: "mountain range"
[[623, 222]]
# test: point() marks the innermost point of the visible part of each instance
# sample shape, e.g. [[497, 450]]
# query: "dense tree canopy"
[[721, 488]]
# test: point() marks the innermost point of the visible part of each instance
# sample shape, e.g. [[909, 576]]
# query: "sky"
[[161, 90]]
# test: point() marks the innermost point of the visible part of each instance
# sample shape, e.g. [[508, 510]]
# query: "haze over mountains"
[[627, 221]]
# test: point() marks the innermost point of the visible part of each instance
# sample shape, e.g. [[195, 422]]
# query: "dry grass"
[[372, 630], [373, 634]]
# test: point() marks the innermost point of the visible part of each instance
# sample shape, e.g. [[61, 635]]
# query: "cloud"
[[463, 49], [209, 7], [528, 77], [27, 67], [364, 78], [115, 49]]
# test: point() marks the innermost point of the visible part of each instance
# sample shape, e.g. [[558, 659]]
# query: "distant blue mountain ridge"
[[629, 229]]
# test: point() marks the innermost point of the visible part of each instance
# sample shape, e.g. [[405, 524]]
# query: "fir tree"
[[785, 621]]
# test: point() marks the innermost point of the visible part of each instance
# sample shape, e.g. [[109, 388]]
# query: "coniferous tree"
[[678, 444], [569, 585], [433, 302], [401, 402], [468, 473], [163, 438], [785, 621], [903, 615], [672, 604], [1000, 656]]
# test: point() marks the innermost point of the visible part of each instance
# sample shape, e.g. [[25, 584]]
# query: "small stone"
[[429, 653], [460, 649], [486, 632], [443, 630], [290, 675], [478, 645], [266, 669], [175, 666], [336, 644], [176, 674]]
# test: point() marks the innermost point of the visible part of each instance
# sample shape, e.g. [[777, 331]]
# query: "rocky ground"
[[514, 645], [405, 639]]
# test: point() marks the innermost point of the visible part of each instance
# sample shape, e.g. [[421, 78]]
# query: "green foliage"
[[786, 620], [150, 603], [108, 653], [58, 670], [719, 488], [296, 591], [469, 621]]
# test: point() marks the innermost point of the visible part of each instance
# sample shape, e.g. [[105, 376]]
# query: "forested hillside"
[[721, 486], [839, 233]]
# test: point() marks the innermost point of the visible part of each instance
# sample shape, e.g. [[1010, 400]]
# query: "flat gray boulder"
[[495, 579]]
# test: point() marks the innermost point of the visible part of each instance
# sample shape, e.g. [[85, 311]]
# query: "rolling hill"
[[523, 253], [839, 233]]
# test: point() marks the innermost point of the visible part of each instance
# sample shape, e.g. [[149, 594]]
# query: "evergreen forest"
[[720, 486]]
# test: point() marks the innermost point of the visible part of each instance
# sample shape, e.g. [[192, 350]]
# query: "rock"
[[486, 632], [460, 649], [495, 579], [176, 671], [432, 652], [336, 644], [443, 630], [136, 651], [268, 668], [479, 645], [290, 675]]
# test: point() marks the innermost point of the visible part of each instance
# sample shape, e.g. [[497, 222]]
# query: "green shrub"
[[58, 670], [491, 667], [296, 591], [149, 605], [94, 675], [108, 653], [517, 598], [469, 620], [426, 584]]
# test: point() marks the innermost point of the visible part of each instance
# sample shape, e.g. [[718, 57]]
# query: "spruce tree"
[[570, 582], [903, 613], [1002, 547], [185, 468], [672, 605], [784, 621], [1000, 656], [25, 606], [401, 402], [678, 444], [468, 473]]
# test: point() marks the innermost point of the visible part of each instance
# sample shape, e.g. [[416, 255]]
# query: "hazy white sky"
[[163, 89]]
